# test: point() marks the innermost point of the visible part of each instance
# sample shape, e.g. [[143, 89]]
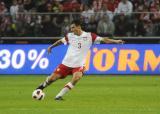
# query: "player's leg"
[[50, 79], [59, 72], [76, 77]]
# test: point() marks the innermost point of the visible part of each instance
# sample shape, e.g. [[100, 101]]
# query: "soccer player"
[[79, 43]]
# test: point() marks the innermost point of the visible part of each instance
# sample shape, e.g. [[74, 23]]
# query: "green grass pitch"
[[92, 95]]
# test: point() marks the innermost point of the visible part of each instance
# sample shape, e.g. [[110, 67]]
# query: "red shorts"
[[65, 70]]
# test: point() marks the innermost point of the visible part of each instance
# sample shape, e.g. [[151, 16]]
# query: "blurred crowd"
[[39, 18]]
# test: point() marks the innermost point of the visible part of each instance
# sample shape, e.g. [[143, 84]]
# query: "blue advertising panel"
[[101, 59], [124, 59]]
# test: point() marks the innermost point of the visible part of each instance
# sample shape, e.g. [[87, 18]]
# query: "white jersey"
[[78, 48]]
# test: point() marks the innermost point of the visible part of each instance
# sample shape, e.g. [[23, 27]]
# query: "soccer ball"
[[38, 94]]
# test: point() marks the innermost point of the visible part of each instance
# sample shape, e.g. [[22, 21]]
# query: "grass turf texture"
[[92, 95]]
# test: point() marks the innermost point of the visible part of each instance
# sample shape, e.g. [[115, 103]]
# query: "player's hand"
[[49, 50], [120, 42]]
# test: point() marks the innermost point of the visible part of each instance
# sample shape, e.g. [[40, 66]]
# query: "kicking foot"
[[58, 98]]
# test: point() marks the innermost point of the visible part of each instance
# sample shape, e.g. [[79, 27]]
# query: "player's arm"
[[57, 43], [108, 40]]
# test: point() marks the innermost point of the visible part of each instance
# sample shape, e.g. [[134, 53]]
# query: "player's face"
[[75, 29]]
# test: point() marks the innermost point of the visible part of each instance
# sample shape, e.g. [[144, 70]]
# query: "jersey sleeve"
[[65, 40], [96, 39]]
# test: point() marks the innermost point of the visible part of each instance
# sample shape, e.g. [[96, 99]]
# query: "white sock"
[[46, 81], [66, 88]]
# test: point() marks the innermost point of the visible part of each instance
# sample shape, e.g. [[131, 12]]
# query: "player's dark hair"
[[76, 22]]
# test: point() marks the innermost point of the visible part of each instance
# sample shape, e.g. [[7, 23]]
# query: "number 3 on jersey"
[[79, 45]]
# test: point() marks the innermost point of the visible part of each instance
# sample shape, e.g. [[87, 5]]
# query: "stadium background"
[[114, 79]]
